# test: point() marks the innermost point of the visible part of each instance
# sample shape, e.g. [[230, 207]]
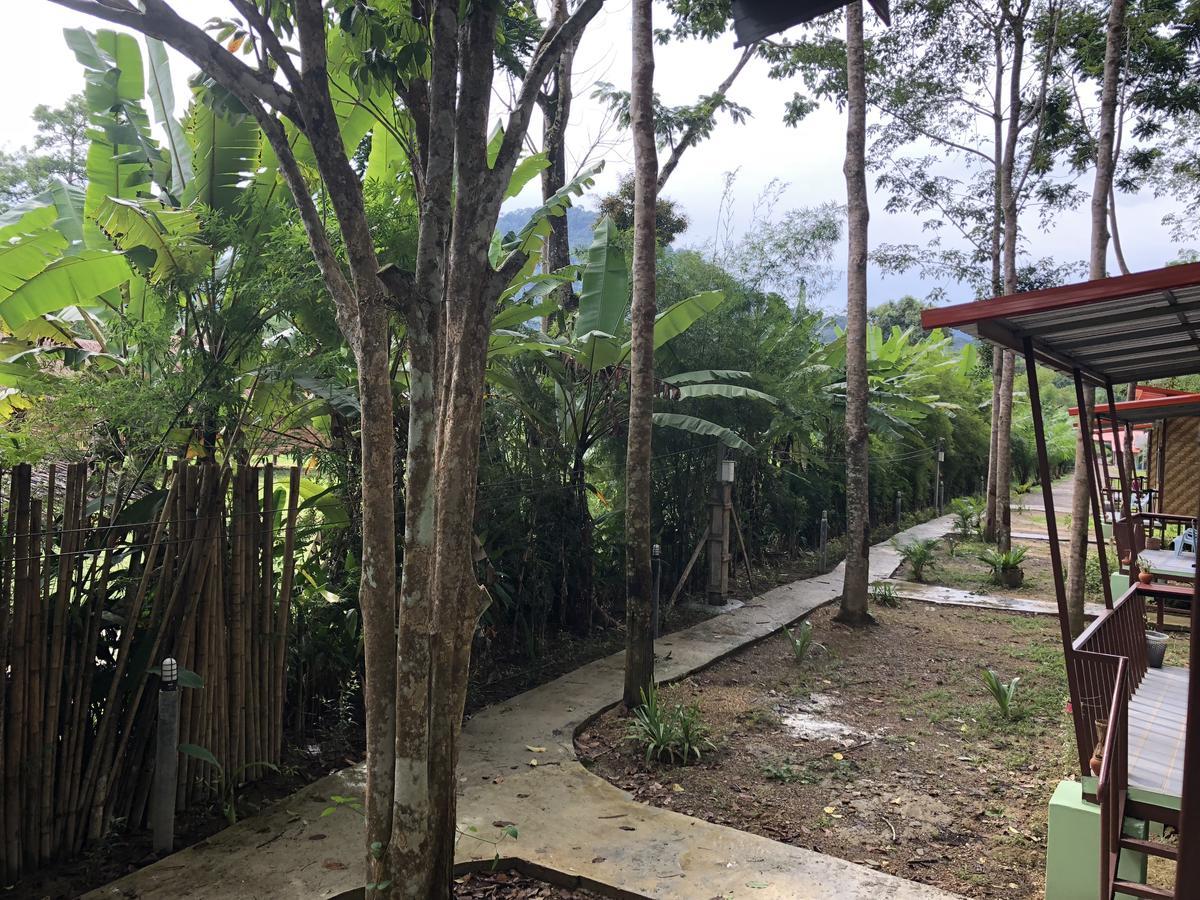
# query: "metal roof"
[[1130, 328]]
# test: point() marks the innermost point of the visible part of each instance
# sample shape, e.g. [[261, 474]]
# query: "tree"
[[853, 609], [58, 151], [903, 313], [1097, 268], [313, 101], [639, 633], [620, 206]]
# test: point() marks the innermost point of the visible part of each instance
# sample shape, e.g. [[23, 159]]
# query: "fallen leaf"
[[533, 762], [532, 749], [333, 865], [838, 756], [677, 788], [829, 810]]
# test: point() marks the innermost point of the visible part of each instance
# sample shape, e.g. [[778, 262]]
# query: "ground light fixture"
[[754, 20]]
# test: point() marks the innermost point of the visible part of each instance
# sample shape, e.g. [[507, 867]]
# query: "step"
[[1153, 848], [1142, 890], [1151, 813]]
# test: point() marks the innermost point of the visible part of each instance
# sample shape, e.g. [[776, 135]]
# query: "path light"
[[170, 674], [727, 470], [754, 20]]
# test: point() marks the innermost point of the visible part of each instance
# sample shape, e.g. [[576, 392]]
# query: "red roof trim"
[[1150, 404], [1064, 297]]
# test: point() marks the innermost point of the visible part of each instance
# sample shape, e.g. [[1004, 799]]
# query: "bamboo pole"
[[283, 610], [35, 700], [15, 732]]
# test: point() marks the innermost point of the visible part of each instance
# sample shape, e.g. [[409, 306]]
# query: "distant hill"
[[581, 222], [958, 339]]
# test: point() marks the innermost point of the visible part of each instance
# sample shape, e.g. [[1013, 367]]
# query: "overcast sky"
[[36, 67]]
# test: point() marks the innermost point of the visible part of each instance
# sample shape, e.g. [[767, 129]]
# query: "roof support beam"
[[1174, 301]]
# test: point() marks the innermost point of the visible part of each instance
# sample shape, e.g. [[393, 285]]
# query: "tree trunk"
[[1097, 268], [854, 588], [989, 516], [639, 637], [556, 114]]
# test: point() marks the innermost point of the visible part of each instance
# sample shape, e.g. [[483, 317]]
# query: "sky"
[[37, 67]]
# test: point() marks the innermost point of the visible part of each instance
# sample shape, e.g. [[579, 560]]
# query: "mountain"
[[581, 221]]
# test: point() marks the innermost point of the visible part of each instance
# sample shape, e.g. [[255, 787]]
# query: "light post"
[[166, 759]]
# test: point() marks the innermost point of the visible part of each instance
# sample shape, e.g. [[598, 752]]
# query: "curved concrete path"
[[571, 824]]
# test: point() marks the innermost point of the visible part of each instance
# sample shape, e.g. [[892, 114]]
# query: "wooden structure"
[[98, 583], [1144, 725]]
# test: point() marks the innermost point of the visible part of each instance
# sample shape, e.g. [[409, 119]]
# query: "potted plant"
[[1098, 753], [1144, 575], [1006, 566]]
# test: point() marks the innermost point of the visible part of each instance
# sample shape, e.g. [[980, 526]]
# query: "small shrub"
[[785, 773], [966, 512], [1001, 561], [801, 640], [918, 555], [1002, 691], [883, 593], [672, 735]]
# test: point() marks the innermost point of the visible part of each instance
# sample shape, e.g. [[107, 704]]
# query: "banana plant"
[[900, 369]]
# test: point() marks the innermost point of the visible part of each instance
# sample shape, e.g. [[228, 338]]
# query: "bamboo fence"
[[96, 589]]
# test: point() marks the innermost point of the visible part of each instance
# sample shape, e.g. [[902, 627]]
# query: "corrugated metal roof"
[[1149, 409], [1130, 328]]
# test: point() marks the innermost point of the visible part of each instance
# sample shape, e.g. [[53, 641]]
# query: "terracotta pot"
[[1145, 577]]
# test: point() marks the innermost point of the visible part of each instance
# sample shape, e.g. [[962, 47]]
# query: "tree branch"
[[690, 136], [551, 46], [270, 40], [160, 21]]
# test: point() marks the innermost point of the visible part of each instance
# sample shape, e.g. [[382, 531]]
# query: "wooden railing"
[[1112, 784]]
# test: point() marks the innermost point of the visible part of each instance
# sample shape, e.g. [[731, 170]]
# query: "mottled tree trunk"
[[556, 113], [1097, 268], [639, 637], [854, 588]]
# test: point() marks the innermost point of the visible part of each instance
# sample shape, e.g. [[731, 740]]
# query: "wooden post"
[[937, 476], [718, 535], [1089, 452]]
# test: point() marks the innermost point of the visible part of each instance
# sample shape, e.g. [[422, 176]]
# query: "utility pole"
[[166, 759], [718, 531]]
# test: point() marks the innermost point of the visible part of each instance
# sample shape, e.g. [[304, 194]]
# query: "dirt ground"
[[883, 747], [513, 886]]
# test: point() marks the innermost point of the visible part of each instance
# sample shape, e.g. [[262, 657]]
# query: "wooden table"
[[1166, 564]]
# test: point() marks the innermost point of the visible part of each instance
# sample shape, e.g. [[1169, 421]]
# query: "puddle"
[[808, 720]]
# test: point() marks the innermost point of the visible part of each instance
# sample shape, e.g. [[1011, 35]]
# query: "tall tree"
[[59, 151], [639, 634], [1097, 268], [853, 609], [416, 673]]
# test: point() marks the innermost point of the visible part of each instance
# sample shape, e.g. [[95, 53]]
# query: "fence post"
[[656, 580], [718, 531], [937, 481], [898, 509], [824, 539], [166, 759]]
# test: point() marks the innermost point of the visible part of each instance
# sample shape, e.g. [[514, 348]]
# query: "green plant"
[[785, 773], [226, 783], [918, 554], [966, 512], [1003, 561], [1002, 691], [801, 640], [675, 735], [883, 593]]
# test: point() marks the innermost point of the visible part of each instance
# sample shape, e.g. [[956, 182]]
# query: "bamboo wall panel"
[[96, 588]]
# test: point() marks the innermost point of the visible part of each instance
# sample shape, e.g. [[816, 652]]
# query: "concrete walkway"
[[938, 593], [573, 826]]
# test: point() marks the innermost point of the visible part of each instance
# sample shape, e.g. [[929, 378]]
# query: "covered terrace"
[[1137, 729]]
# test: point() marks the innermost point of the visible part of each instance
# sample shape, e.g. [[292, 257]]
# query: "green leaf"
[[524, 172], [162, 100], [201, 753], [702, 427], [165, 240], [604, 297], [387, 158], [706, 375], [679, 317], [70, 281], [225, 149], [731, 391]]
